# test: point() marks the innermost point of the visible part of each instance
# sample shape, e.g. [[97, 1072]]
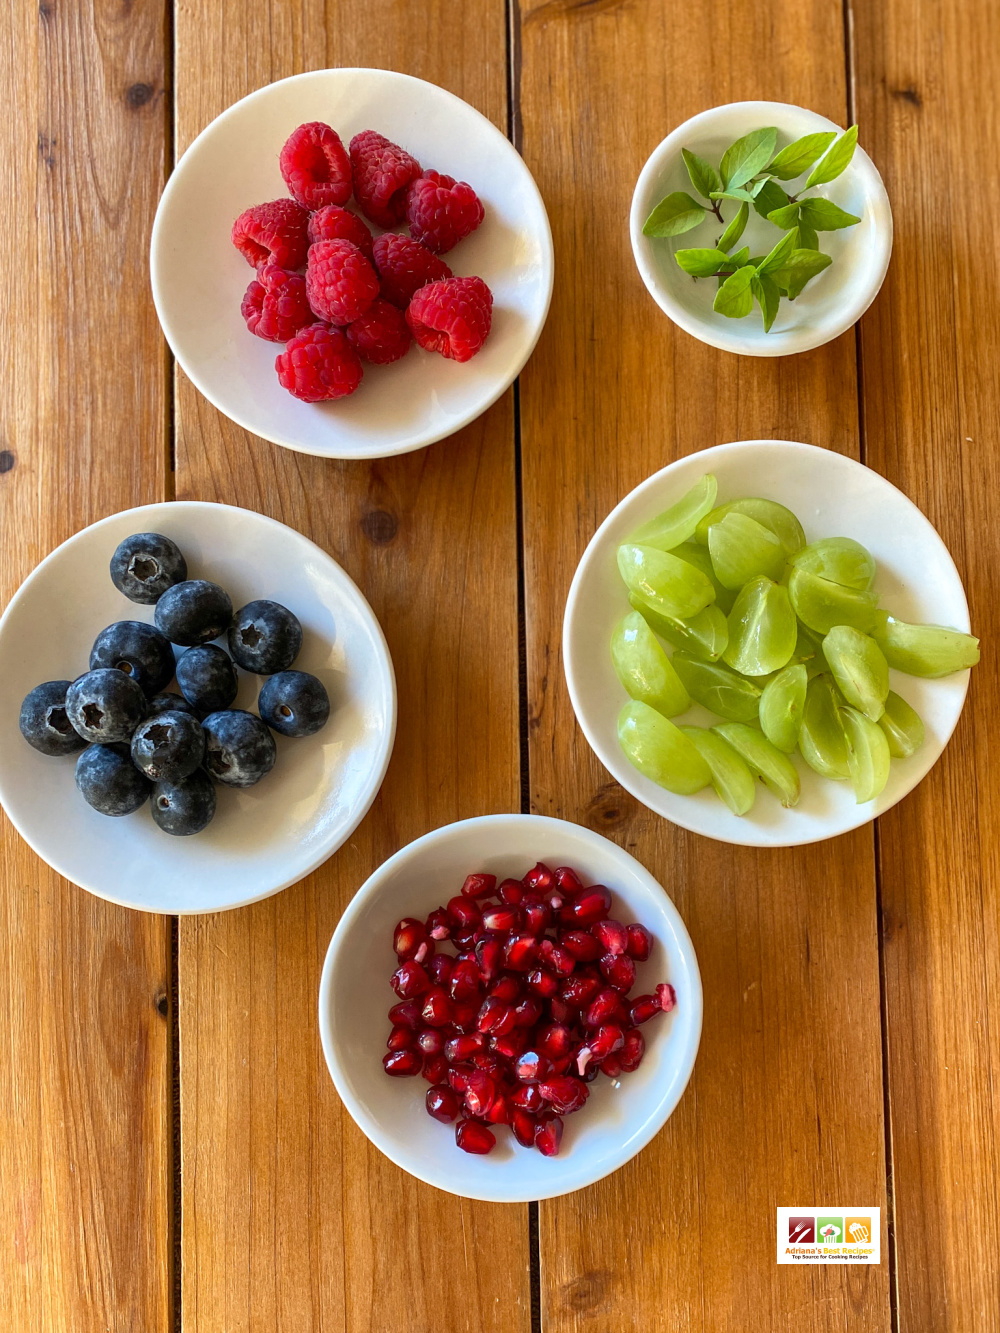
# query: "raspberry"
[[275, 305], [315, 166], [340, 282], [273, 233], [382, 171], [319, 364], [404, 266], [452, 317], [441, 211], [334, 223], [381, 334]]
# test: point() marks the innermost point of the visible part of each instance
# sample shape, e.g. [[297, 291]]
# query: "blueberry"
[[164, 703], [137, 649], [207, 678], [265, 637], [145, 565], [105, 705], [294, 703], [168, 747], [193, 612], [109, 781], [184, 807], [44, 723], [239, 749]]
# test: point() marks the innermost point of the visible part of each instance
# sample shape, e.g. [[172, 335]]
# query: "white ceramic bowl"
[[831, 303], [262, 838], [199, 277], [833, 497], [619, 1118]]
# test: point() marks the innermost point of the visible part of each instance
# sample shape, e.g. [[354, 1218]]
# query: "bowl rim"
[[791, 341], [690, 1016]]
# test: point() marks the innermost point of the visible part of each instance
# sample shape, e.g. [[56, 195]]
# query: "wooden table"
[[172, 1153]]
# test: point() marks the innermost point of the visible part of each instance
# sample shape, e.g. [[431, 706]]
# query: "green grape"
[[902, 726], [775, 769], [644, 668], [781, 706], [660, 751], [731, 777], [809, 650], [762, 630], [868, 756], [698, 556], [741, 548], [771, 515], [839, 559], [704, 636], [677, 524], [820, 604], [671, 586], [822, 743], [925, 650], [858, 667], [717, 688]]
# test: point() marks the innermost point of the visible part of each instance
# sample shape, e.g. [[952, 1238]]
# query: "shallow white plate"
[[199, 277], [833, 497], [263, 838], [619, 1118]]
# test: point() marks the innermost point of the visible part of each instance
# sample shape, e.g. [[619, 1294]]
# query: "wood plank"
[[927, 102], [291, 1219], [785, 1107], [85, 1146]]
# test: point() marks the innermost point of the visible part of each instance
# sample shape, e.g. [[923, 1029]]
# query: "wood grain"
[[84, 1074]]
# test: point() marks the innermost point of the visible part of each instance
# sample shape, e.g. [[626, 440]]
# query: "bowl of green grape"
[[767, 643]]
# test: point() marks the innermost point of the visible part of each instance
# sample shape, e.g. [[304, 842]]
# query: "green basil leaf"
[[740, 257], [797, 269], [784, 217], [734, 299], [838, 159], [800, 155], [744, 196], [673, 215], [701, 263], [704, 176], [758, 185], [743, 159], [807, 238], [736, 228], [765, 289], [777, 256], [822, 215], [770, 198]]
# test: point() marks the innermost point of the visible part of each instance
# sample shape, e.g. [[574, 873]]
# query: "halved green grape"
[[809, 650], [660, 751], [762, 630], [925, 650], [741, 548], [775, 769], [644, 668], [820, 604], [717, 688], [858, 667], [781, 706], [698, 556], [839, 559], [677, 524], [902, 726], [868, 756], [703, 636], [731, 777], [771, 515], [822, 743], [671, 586]]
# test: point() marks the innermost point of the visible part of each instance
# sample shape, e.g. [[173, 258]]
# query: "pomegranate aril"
[[528, 1098], [633, 1050], [435, 1068], [458, 1076], [543, 983], [555, 958], [431, 1041], [523, 1125], [612, 1066], [402, 1064], [437, 1009], [666, 995], [479, 886], [563, 1065], [565, 1094], [589, 908], [463, 1017], [528, 1012], [507, 988], [581, 944], [440, 968], [407, 937], [619, 971], [539, 879], [511, 892], [479, 1092], [496, 1016], [442, 1103], [640, 942], [601, 1008], [489, 1063], [464, 981], [500, 1112], [555, 1040], [502, 918], [471, 1136], [489, 956], [644, 1007], [406, 1015], [410, 981], [521, 952], [612, 935], [463, 914], [510, 1045], [536, 914], [561, 1012], [532, 1066], [464, 1046], [568, 882], [548, 1136], [401, 1039], [438, 926], [579, 991]]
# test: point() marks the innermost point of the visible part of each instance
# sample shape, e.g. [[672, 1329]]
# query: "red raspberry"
[[441, 211], [273, 233], [404, 266], [315, 166], [319, 364], [275, 306], [452, 317], [340, 282], [381, 334], [334, 223], [382, 171]]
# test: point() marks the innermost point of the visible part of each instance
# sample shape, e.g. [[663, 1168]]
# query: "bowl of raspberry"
[[510, 1008], [351, 263]]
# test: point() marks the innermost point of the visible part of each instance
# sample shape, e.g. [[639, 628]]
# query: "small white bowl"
[[262, 838], [831, 303], [619, 1118], [199, 277], [833, 497]]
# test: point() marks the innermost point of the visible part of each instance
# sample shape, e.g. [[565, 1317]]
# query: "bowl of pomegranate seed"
[[510, 1008]]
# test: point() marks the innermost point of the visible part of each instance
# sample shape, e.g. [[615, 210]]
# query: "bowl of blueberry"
[[205, 706]]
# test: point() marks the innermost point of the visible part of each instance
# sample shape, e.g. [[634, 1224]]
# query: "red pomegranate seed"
[[500, 1112], [581, 944], [479, 1093], [555, 958], [407, 937], [496, 1016], [539, 880], [555, 901], [431, 1041], [543, 983], [612, 935], [440, 968], [458, 1077], [640, 942], [437, 1009], [588, 908], [633, 1050], [442, 1103], [402, 1064], [554, 1040], [435, 1068], [507, 988], [601, 1008], [644, 1007], [528, 1098], [606, 1040], [561, 1012], [489, 956], [463, 1046], [563, 1065], [438, 925], [490, 1064], [465, 937], [528, 1012], [474, 1137], [464, 981], [502, 918], [511, 892], [619, 971], [479, 886], [401, 1039], [532, 1066], [536, 914], [463, 914], [520, 952], [566, 1094], [568, 882], [666, 995], [410, 981], [548, 1136], [611, 1065], [523, 1125], [510, 1045], [463, 1017], [579, 991], [407, 1015]]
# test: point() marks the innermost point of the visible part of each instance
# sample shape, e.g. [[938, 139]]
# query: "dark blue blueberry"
[[109, 781], [137, 649], [239, 749], [105, 706], [165, 703], [193, 612], [207, 678], [44, 723], [145, 565], [294, 703], [168, 747], [184, 807], [265, 637]]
